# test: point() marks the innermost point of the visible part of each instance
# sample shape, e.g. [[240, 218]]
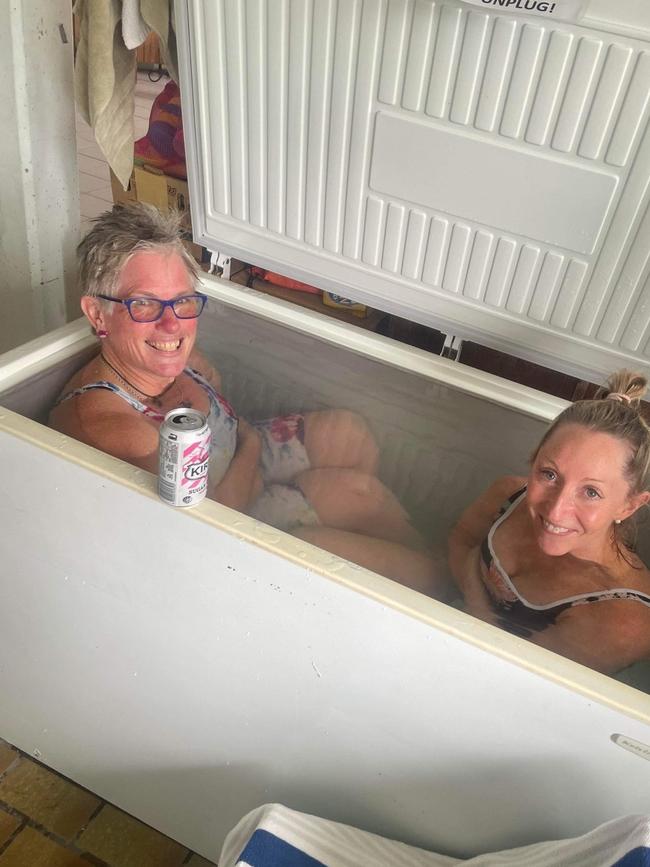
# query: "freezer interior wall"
[[439, 447]]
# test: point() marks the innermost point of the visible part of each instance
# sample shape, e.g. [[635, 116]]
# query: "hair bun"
[[626, 386], [616, 395]]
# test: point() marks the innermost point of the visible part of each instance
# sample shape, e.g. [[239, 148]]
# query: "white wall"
[[39, 192]]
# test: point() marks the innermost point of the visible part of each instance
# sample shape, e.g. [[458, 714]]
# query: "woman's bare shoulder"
[[475, 521], [633, 572], [64, 415], [90, 372], [103, 420], [502, 488]]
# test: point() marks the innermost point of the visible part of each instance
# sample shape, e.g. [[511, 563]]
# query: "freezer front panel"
[[192, 681], [484, 172]]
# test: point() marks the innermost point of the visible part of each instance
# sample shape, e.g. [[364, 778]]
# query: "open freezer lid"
[[480, 170]]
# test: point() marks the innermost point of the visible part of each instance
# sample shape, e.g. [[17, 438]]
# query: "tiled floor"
[[49, 821], [45, 819], [94, 179]]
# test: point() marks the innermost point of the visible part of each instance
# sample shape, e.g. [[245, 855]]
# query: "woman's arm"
[[607, 635], [473, 526], [135, 440], [99, 420]]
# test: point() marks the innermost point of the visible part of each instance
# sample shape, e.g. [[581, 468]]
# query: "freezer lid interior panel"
[[485, 173]]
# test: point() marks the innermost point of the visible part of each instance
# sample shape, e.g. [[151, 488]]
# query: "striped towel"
[[274, 836]]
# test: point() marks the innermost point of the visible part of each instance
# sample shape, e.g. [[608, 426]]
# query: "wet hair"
[[129, 228], [615, 410]]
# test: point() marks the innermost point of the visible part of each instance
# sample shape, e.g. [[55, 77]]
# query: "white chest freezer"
[[479, 169]]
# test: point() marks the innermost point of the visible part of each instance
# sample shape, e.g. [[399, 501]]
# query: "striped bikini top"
[[515, 613], [222, 419]]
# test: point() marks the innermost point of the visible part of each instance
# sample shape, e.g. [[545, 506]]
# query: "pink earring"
[[101, 333]]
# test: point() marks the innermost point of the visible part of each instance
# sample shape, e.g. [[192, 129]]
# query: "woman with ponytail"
[[551, 557]]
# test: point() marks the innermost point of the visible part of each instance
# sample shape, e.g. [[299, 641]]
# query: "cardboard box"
[[165, 192], [148, 184], [120, 194]]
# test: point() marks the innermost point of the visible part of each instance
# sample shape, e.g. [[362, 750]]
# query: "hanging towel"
[[159, 17], [134, 28], [105, 71]]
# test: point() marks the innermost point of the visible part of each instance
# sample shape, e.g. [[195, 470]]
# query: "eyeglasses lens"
[[150, 309], [145, 309], [189, 307]]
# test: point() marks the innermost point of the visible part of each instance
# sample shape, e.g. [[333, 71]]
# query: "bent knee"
[[341, 483], [356, 427], [345, 422]]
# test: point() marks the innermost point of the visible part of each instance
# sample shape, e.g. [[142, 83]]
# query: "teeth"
[[165, 346], [553, 528]]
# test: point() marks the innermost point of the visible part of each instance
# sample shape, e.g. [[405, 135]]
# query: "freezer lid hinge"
[[452, 347], [220, 265]]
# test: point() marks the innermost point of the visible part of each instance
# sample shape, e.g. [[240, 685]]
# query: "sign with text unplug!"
[[559, 10]]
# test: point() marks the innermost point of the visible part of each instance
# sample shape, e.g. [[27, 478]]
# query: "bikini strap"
[[605, 595], [487, 554], [137, 405], [198, 377], [511, 500]]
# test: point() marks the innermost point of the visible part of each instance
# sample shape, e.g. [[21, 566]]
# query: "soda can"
[[184, 455]]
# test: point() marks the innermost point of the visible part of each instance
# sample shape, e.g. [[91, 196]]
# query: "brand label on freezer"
[[562, 10], [637, 747]]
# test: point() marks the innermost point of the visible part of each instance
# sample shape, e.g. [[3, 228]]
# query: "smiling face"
[[576, 491], [149, 354]]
